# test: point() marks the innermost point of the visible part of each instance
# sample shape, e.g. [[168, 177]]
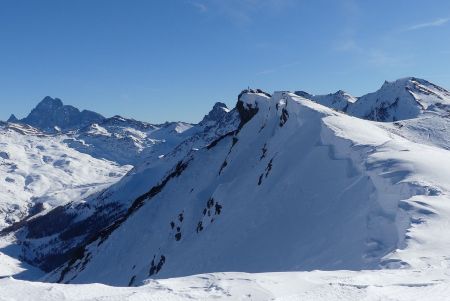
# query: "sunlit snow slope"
[[392, 285], [39, 172]]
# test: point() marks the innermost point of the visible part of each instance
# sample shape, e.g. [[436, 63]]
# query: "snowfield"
[[392, 285], [39, 172], [288, 196]]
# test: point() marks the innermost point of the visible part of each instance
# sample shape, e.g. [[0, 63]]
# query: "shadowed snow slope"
[[297, 186]]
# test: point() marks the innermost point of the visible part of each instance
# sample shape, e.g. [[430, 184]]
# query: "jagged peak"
[[12, 118], [218, 111], [219, 105], [51, 114]]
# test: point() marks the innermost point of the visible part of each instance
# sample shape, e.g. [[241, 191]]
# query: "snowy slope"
[[39, 172], [393, 285], [296, 187]]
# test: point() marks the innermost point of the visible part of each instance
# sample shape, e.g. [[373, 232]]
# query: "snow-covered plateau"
[[287, 196]]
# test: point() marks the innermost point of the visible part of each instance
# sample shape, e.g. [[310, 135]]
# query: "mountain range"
[[282, 182]]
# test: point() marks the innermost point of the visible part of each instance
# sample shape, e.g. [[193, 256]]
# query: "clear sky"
[[172, 59]]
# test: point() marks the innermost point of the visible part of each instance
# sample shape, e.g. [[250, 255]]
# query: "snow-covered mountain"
[[39, 172], [402, 99], [296, 186], [281, 183], [52, 115], [127, 141], [405, 98]]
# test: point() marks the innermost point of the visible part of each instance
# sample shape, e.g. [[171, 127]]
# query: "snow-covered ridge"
[[277, 195], [339, 100], [402, 99]]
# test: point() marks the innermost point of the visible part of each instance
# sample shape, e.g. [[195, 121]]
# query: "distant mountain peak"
[[50, 114], [218, 111], [50, 103], [340, 100], [403, 98], [12, 118], [220, 105]]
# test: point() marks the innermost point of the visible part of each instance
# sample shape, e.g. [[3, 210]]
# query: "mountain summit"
[[404, 98], [51, 114]]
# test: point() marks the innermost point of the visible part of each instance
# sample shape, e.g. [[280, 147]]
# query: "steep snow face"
[[402, 99], [51, 114], [296, 187], [39, 172]]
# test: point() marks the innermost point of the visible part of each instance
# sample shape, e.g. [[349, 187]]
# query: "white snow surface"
[[392, 285]]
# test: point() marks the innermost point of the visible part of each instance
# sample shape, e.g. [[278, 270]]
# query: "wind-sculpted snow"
[[394, 285], [297, 187]]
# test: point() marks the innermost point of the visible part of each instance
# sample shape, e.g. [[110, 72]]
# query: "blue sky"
[[172, 59]]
